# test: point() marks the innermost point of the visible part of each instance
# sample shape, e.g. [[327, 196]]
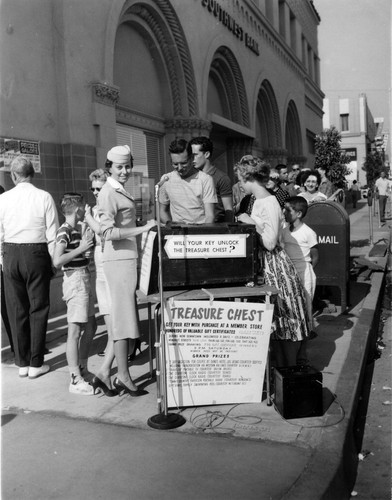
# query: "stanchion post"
[[163, 419], [370, 203], [379, 213]]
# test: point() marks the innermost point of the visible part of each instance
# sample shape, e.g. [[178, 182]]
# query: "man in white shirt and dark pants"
[[382, 189], [28, 224]]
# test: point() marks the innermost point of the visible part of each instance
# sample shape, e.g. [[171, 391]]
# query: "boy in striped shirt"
[[69, 254]]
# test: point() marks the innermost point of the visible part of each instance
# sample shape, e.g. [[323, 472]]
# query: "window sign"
[[11, 148]]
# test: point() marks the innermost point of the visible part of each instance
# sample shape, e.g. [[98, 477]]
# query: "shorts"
[[77, 294]]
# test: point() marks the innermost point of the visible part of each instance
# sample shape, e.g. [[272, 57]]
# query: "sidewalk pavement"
[[262, 455]]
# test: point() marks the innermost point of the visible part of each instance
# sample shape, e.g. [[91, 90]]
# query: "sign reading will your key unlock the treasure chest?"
[[205, 246]]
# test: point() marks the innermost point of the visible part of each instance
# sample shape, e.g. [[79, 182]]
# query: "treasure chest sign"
[[197, 255], [216, 351], [332, 225]]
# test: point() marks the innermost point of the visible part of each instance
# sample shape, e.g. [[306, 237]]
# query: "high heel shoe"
[[122, 388], [137, 345], [98, 384]]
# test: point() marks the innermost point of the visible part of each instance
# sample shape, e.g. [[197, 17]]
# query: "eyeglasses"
[[247, 158], [95, 189], [295, 169], [274, 178]]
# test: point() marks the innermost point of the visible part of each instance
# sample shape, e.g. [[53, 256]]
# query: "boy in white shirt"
[[300, 243]]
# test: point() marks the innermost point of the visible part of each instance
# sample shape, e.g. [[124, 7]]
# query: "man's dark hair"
[[204, 142], [280, 166], [298, 203], [178, 146]]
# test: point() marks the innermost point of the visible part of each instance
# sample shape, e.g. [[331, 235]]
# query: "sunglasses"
[[247, 158], [295, 169], [274, 178], [95, 189]]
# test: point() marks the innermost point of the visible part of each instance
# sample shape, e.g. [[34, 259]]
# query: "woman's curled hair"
[[252, 168]]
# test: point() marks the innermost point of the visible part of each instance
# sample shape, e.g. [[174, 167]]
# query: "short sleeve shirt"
[[382, 185], [187, 197], [71, 237], [297, 244], [223, 189]]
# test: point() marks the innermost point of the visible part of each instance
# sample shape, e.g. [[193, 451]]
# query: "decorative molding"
[[275, 152], [186, 124], [296, 159], [105, 94], [138, 119], [269, 105], [313, 106], [226, 65], [167, 44]]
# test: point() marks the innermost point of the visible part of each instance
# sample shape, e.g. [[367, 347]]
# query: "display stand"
[[163, 419]]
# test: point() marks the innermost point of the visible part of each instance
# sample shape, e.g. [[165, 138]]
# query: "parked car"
[[364, 191]]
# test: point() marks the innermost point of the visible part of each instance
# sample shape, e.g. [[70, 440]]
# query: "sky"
[[355, 51]]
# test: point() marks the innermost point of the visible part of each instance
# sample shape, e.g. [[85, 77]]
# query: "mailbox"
[[331, 223]]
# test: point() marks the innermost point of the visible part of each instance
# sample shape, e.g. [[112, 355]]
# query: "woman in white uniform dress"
[[117, 217]]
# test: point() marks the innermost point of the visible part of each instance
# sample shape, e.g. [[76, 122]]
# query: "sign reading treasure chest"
[[198, 255]]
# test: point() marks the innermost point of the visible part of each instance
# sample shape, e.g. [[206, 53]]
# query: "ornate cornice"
[[275, 152], [105, 94], [136, 118], [293, 160], [192, 123], [313, 106]]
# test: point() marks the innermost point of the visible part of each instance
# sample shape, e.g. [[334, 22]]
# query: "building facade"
[[358, 129], [80, 76]]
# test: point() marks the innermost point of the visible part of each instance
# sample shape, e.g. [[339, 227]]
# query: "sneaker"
[[79, 386], [35, 372], [23, 371]]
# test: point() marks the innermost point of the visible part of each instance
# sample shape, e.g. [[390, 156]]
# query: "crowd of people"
[[34, 246]]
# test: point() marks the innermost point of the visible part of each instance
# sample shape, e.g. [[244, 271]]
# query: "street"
[[49, 456]]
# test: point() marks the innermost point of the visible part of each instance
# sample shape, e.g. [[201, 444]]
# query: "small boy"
[[69, 254], [300, 243]]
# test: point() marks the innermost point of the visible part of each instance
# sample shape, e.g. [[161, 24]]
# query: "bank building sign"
[[231, 24]]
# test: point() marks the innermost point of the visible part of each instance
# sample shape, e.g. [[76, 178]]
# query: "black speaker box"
[[298, 392]]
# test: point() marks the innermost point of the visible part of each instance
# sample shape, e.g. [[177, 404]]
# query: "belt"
[[72, 270], [24, 244]]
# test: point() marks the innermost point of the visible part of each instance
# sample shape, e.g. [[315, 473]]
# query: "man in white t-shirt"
[[187, 195], [383, 187]]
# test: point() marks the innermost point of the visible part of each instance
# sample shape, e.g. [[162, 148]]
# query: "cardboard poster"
[[11, 148], [216, 351]]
